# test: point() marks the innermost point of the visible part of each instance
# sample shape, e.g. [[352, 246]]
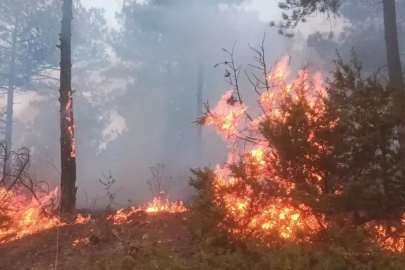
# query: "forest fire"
[[19, 218], [256, 197], [82, 220], [122, 216], [80, 242], [158, 205], [225, 118], [70, 126]]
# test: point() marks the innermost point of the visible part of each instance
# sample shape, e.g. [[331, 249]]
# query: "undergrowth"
[[290, 257]]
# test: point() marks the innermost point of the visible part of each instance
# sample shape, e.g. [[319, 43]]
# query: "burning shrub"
[[318, 157], [26, 205]]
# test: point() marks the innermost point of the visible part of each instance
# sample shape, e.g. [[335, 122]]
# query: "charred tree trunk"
[[200, 85], [394, 61], [67, 143]]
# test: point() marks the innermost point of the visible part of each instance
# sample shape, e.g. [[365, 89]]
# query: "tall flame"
[[257, 215], [226, 118]]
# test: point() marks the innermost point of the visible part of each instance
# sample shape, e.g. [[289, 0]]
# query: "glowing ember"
[[71, 127], [387, 237], [277, 216], [81, 242], [82, 220]]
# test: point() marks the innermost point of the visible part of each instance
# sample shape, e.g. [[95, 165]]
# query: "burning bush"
[[320, 156], [26, 205]]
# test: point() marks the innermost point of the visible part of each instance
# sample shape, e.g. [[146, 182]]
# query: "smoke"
[[135, 73]]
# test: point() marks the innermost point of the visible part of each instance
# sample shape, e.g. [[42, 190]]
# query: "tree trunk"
[[170, 128], [200, 85], [394, 61], [67, 142], [10, 101]]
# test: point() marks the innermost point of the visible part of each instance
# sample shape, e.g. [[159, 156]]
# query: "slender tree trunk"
[[170, 128], [10, 100], [200, 85], [67, 142], [394, 60]]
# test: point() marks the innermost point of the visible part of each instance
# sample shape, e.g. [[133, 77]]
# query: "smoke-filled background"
[[136, 70]]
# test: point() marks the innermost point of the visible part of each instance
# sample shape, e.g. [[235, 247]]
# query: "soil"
[[100, 237]]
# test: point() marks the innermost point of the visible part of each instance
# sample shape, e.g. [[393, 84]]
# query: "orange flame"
[[278, 215], [82, 220], [22, 219], [80, 242], [158, 205], [122, 216], [226, 117], [71, 127]]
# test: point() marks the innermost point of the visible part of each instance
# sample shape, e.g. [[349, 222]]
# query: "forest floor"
[[99, 241]]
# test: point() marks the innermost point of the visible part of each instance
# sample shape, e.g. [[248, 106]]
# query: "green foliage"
[[299, 11], [292, 257], [367, 150], [341, 153], [205, 213], [353, 147]]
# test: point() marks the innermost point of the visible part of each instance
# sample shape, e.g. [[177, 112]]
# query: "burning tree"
[[67, 141], [319, 156]]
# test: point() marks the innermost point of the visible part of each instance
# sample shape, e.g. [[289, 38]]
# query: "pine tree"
[[25, 48], [318, 157], [67, 143], [302, 9]]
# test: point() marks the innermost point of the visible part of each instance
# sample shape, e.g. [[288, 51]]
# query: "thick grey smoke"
[[136, 80]]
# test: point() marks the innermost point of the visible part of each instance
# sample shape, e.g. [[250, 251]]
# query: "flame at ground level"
[[158, 205], [19, 219]]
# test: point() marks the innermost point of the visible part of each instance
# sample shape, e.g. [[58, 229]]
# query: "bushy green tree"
[[299, 11], [329, 152]]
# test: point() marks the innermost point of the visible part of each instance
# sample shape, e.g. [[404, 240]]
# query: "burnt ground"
[[101, 240]]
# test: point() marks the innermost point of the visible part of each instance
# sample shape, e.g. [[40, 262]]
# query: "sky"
[[110, 6]]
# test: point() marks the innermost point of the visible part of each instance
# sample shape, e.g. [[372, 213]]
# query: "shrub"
[[319, 158]]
